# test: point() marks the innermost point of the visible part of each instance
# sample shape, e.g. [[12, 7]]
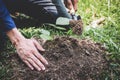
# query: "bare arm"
[[27, 49]]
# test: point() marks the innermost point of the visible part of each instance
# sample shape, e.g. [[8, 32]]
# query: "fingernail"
[[43, 68], [32, 68], [39, 69], [46, 63], [43, 49]]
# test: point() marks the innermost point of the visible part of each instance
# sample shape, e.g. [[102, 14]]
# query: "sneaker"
[[77, 26]]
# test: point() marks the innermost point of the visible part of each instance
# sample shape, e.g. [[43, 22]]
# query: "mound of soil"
[[69, 59]]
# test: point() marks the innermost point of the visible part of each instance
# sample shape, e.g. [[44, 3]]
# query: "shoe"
[[77, 26]]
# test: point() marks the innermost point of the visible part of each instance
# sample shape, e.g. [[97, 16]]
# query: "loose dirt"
[[69, 59]]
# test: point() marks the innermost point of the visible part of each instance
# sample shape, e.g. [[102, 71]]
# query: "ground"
[[107, 33], [69, 59]]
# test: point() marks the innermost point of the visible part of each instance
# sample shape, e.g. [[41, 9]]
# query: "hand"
[[71, 5], [28, 52], [27, 49]]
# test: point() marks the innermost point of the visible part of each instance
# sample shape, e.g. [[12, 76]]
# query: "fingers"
[[75, 4], [40, 57], [37, 61], [33, 64], [37, 54], [38, 46], [69, 4], [29, 65]]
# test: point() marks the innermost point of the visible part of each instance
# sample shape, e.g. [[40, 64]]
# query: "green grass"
[[108, 34]]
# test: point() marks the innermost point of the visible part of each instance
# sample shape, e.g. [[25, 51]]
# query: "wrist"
[[15, 36]]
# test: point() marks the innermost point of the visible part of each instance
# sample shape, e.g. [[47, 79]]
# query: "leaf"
[[45, 32], [45, 37]]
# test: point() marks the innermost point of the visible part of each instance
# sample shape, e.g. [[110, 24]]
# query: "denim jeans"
[[47, 11], [61, 9]]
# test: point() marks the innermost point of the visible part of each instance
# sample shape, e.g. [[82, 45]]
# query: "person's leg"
[[61, 9], [44, 10]]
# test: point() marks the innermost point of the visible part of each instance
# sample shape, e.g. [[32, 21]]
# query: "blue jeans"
[[47, 11]]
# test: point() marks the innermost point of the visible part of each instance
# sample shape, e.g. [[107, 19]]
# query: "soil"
[[77, 26], [69, 59]]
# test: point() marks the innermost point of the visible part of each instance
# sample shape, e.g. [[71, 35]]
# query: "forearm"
[[15, 36]]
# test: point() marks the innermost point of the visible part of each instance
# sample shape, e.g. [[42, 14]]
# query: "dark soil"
[[69, 59], [77, 26]]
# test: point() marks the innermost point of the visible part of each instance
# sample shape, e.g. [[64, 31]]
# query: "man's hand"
[[71, 5], [28, 52], [27, 49]]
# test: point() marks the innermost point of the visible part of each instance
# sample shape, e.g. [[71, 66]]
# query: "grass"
[[108, 33]]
